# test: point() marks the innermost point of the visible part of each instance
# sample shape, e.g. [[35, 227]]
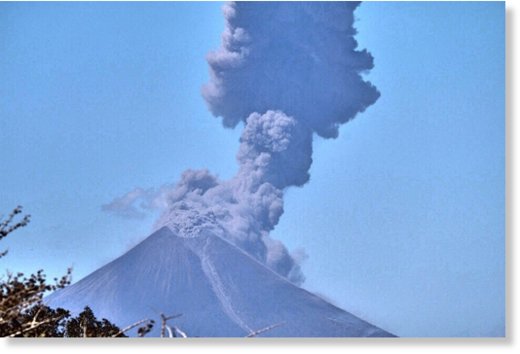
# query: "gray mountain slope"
[[219, 290]]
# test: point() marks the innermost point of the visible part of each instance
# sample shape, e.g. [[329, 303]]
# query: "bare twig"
[[170, 332], [83, 326], [132, 326], [33, 323], [265, 329], [179, 332], [30, 328], [7, 226], [164, 324]]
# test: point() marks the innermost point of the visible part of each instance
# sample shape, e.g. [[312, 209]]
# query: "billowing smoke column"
[[300, 58], [287, 70]]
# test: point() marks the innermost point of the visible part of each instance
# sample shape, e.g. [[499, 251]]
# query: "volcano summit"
[[287, 71], [220, 291]]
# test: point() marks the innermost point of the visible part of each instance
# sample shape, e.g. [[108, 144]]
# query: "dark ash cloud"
[[287, 71]]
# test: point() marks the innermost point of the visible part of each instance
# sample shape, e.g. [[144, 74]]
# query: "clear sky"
[[403, 219]]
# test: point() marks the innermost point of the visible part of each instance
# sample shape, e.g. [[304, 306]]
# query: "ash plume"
[[245, 208], [286, 70], [300, 58]]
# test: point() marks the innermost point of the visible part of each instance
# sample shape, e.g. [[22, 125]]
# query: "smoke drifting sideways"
[[286, 70], [275, 152]]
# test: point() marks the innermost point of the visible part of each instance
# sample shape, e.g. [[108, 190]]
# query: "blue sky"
[[403, 219]]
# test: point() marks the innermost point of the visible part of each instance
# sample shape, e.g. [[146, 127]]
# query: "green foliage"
[[7, 226], [22, 311], [87, 325]]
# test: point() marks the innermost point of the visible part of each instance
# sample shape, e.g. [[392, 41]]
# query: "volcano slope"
[[219, 290]]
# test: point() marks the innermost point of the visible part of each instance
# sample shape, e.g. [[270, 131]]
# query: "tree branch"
[[132, 326], [265, 329]]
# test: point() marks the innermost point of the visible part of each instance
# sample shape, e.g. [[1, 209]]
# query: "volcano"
[[219, 289]]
